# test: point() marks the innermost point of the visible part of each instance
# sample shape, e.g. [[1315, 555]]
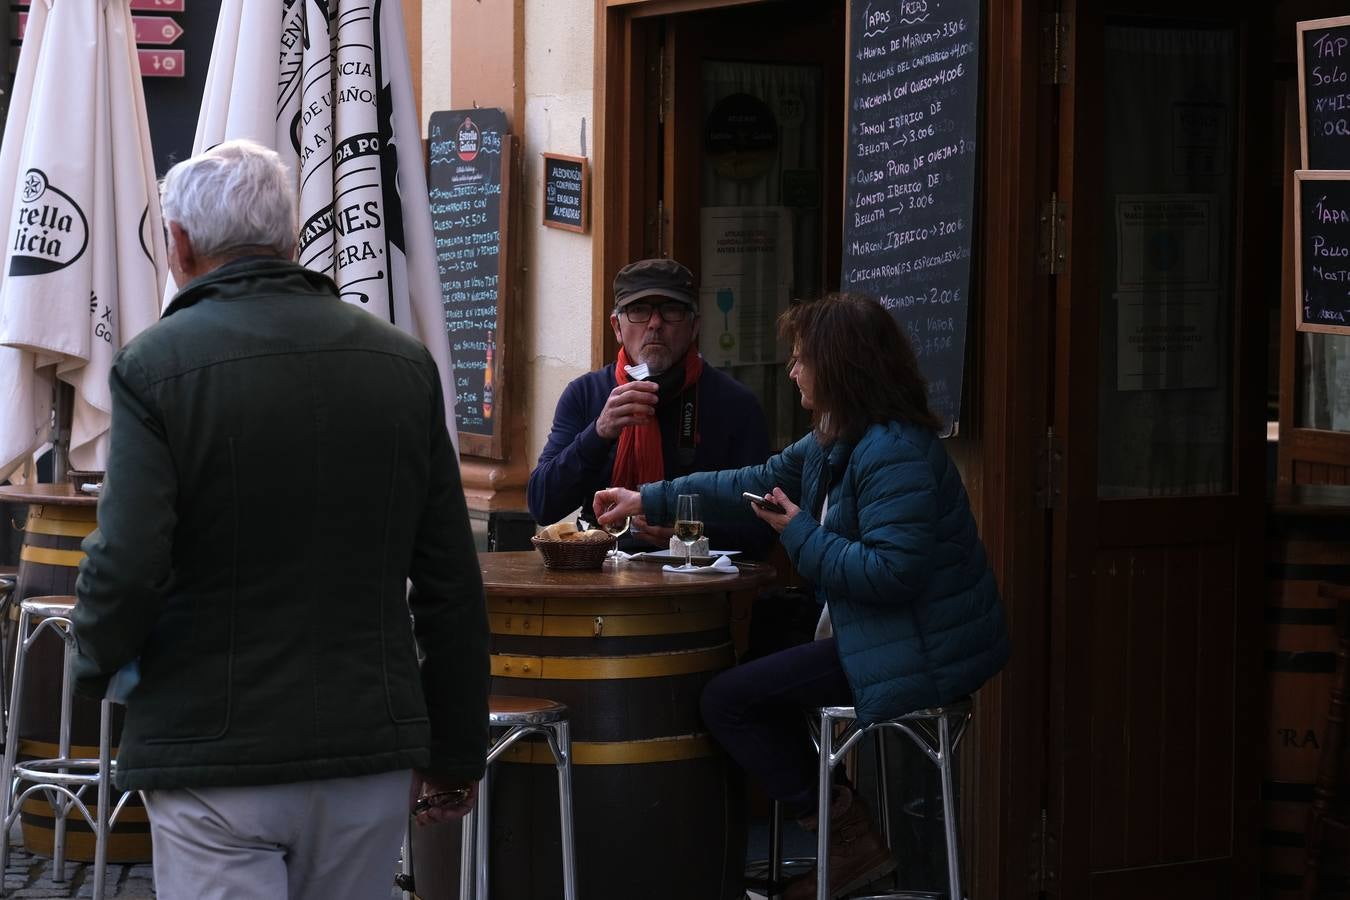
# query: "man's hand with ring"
[[437, 801]]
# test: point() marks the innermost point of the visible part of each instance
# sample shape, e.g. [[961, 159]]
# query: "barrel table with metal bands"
[[59, 518], [658, 808]]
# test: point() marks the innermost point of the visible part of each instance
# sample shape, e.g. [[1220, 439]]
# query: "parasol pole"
[[65, 404]]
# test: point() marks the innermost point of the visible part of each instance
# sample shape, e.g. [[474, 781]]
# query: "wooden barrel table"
[[1307, 544], [658, 808], [59, 518]]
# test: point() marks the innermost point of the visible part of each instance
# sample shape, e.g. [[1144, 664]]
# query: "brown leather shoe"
[[858, 855]]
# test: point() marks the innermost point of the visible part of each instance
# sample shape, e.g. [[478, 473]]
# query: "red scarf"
[[639, 458]]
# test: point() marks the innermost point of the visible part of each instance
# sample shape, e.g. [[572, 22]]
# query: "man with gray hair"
[[279, 471]]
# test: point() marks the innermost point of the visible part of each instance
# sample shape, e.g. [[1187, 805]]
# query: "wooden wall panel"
[[1163, 704], [1178, 740], [1145, 802], [1109, 697], [1216, 700], [1306, 472]]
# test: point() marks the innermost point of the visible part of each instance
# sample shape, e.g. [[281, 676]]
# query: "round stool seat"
[[504, 710], [960, 704], [47, 607]]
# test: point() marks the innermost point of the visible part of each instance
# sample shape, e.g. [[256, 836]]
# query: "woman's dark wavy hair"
[[863, 366]]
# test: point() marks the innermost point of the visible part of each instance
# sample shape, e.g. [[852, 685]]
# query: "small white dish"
[[671, 556]]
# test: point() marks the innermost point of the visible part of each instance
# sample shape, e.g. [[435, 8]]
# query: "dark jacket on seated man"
[[616, 428], [577, 462]]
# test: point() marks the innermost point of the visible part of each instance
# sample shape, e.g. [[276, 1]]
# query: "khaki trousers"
[[334, 839]]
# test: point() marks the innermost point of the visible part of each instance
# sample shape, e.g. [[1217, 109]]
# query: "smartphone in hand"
[[763, 502]]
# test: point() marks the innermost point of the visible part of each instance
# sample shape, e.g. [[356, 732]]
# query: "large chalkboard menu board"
[[1322, 243], [1324, 92], [913, 92], [470, 154]]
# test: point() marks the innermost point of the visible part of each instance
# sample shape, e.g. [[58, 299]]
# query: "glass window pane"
[[1323, 386], [1165, 373], [761, 227]]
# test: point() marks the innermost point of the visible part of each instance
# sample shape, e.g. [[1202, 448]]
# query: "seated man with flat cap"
[[612, 429]]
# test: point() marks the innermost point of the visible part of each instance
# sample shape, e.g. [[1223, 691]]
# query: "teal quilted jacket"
[[915, 608]]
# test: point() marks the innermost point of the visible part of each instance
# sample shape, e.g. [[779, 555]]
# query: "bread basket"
[[573, 554], [80, 477]]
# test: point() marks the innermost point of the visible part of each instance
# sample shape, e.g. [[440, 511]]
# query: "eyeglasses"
[[639, 312]]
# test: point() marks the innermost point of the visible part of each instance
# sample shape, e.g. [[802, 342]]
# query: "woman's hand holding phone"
[[774, 508], [763, 502]]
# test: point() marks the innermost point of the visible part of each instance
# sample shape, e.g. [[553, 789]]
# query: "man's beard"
[[658, 357]]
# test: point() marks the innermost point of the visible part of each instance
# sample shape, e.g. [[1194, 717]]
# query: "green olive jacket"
[[279, 470]]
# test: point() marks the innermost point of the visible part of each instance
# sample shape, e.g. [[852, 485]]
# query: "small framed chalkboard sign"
[[1322, 246], [567, 192], [1324, 92]]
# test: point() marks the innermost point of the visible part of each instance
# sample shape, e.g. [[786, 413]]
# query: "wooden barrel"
[[49, 559], [1304, 549], [49, 562], [658, 809], [130, 838]]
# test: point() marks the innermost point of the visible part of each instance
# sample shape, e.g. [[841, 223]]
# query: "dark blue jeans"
[[758, 712]]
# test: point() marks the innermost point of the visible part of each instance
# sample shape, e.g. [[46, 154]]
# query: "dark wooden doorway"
[[1157, 411]]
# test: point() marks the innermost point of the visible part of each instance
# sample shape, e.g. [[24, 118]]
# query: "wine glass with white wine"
[[688, 524], [617, 529]]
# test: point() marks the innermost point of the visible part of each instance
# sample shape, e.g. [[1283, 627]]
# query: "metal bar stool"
[[63, 780], [936, 732], [520, 716], [8, 581]]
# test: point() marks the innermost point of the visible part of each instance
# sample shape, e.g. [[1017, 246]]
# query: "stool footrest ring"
[[36, 770]]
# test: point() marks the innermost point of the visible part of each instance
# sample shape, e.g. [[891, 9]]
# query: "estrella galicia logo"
[[469, 139], [50, 231]]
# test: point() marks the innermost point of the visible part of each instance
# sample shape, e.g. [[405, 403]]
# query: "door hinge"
[[1042, 863], [1051, 251], [1055, 36], [657, 225], [1050, 471], [663, 84]]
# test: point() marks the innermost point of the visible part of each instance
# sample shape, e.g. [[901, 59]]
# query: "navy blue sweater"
[[576, 462]]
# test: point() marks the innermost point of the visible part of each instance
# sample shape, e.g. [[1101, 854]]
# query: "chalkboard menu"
[[1324, 92], [469, 154], [567, 191], [1322, 242], [913, 92]]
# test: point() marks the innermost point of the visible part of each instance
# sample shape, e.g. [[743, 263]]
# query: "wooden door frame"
[[1013, 374], [1010, 349], [1313, 447]]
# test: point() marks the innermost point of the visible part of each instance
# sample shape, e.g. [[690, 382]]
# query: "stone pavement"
[[29, 876]]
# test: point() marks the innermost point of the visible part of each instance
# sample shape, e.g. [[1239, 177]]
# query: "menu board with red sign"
[[470, 164]]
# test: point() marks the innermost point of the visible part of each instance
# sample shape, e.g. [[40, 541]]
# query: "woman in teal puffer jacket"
[[875, 516]]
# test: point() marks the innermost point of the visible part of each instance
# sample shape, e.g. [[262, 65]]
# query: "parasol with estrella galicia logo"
[[84, 261], [84, 267], [328, 85]]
